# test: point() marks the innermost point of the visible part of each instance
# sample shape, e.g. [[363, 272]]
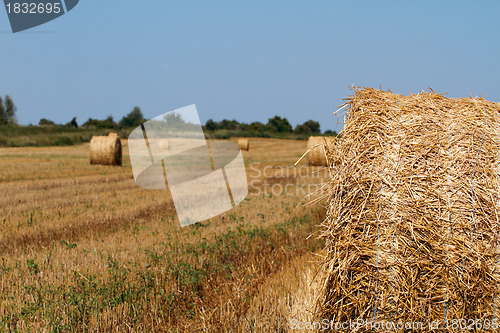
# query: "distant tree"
[[3, 113], [280, 125], [211, 125], [330, 133], [91, 123], [109, 122], [45, 122], [309, 127], [72, 123], [133, 119], [229, 124], [10, 109], [106, 123], [174, 118], [243, 127], [256, 127]]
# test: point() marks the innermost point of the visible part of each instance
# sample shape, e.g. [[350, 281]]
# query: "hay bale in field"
[[318, 155], [106, 150], [157, 144], [164, 145], [412, 230], [244, 144]]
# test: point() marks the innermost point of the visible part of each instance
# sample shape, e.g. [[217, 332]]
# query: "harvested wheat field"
[[412, 230], [85, 249]]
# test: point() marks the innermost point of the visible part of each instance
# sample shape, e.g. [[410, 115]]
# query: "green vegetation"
[[48, 133], [133, 119], [276, 127], [7, 111]]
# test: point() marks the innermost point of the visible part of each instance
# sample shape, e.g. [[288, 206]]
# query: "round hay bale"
[[244, 144], [318, 155], [164, 145], [412, 228], [159, 144], [106, 150]]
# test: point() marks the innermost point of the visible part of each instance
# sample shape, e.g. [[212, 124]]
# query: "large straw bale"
[[317, 155], [106, 150], [412, 226]]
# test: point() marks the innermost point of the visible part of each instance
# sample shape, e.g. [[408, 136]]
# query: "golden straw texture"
[[412, 226], [317, 155], [106, 150]]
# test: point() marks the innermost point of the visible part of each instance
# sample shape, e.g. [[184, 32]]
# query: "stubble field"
[[84, 249]]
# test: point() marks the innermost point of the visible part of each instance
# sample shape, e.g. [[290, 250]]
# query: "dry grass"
[[84, 249], [412, 228], [287, 297]]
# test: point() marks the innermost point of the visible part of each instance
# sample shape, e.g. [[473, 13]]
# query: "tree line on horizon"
[[276, 125], [135, 118]]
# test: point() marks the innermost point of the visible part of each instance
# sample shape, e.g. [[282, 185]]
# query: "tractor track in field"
[[84, 228], [87, 226]]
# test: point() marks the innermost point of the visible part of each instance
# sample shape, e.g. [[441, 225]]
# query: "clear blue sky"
[[245, 60]]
